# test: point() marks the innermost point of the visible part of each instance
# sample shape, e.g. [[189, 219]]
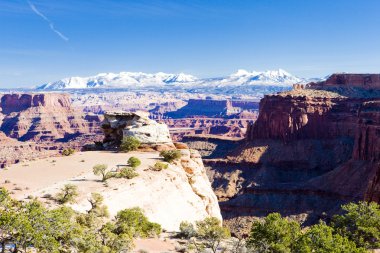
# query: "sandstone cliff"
[[43, 117], [345, 80], [212, 108], [182, 192], [117, 125], [35, 124], [310, 151]]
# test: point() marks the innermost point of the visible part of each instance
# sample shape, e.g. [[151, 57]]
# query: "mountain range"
[[139, 79]]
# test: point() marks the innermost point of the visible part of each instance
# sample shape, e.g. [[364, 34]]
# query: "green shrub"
[[274, 234], [321, 238], [67, 194], [186, 230], [359, 223], [101, 170], [277, 234], [129, 143], [29, 225], [133, 221], [170, 155], [127, 172], [211, 232], [134, 162], [158, 166], [97, 207], [68, 152]]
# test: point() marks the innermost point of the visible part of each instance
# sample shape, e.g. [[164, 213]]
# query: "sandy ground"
[[43, 176], [28, 178], [164, 244], [168, 196]]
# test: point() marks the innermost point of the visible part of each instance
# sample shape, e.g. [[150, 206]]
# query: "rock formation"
[[212, 108], [117, 125], [182, 192], [208, 126], [309, 151], [37, 125], [43, 117], [345, 80]]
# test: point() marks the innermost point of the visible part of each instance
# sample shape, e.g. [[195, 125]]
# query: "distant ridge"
[[139, 79]]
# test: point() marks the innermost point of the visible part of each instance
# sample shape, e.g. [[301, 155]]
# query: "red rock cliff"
[[309, 151], [290, 117], [41, 117], [18, 102], [364, 81]]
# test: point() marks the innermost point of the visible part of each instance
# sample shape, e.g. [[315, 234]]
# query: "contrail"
[[51, 24]]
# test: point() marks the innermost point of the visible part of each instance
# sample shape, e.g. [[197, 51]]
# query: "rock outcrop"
[[212, 108], [209, 127], [182, 192], [292, 117], [38, 125], [309, 151], [346, 80], [117, 125], [43, 117]]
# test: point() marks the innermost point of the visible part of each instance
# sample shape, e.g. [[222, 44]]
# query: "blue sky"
[[46, 40]]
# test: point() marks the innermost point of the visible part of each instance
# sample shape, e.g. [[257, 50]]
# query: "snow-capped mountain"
[[139, 79], [120, 80], [270, 77]]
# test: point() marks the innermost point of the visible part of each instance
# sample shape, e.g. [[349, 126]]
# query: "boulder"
[[117, 125]]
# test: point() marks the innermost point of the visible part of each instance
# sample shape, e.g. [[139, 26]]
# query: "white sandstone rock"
[[117, 125]]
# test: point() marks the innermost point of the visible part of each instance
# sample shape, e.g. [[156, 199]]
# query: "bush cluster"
[[170, 155], [68, 151], [158, 166], [134, 162], [102, 170], [129, 143], [67, 194], [26, 225], [125, 172], [207, 233], [357, 230]]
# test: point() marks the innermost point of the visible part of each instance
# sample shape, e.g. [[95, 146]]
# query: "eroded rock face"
[[38, 125], [365, 81], [117, 125], [20, 102], [212, 108], [43, 117], [309, 152], [293, 117], [192, 164], [180, 193]]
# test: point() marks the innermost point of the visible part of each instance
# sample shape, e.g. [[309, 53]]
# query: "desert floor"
[[47, 176]]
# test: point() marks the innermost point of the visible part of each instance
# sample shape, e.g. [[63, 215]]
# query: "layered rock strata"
[[309, 151], [39, 125], [43, 117], [212, 108]]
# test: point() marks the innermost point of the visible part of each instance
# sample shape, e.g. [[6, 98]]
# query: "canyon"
[[311, 150], [36, 124], [302, 152], [39, 125], [179, 192]]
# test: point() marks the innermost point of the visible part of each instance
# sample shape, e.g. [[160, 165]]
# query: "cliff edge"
[[310, 150]]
